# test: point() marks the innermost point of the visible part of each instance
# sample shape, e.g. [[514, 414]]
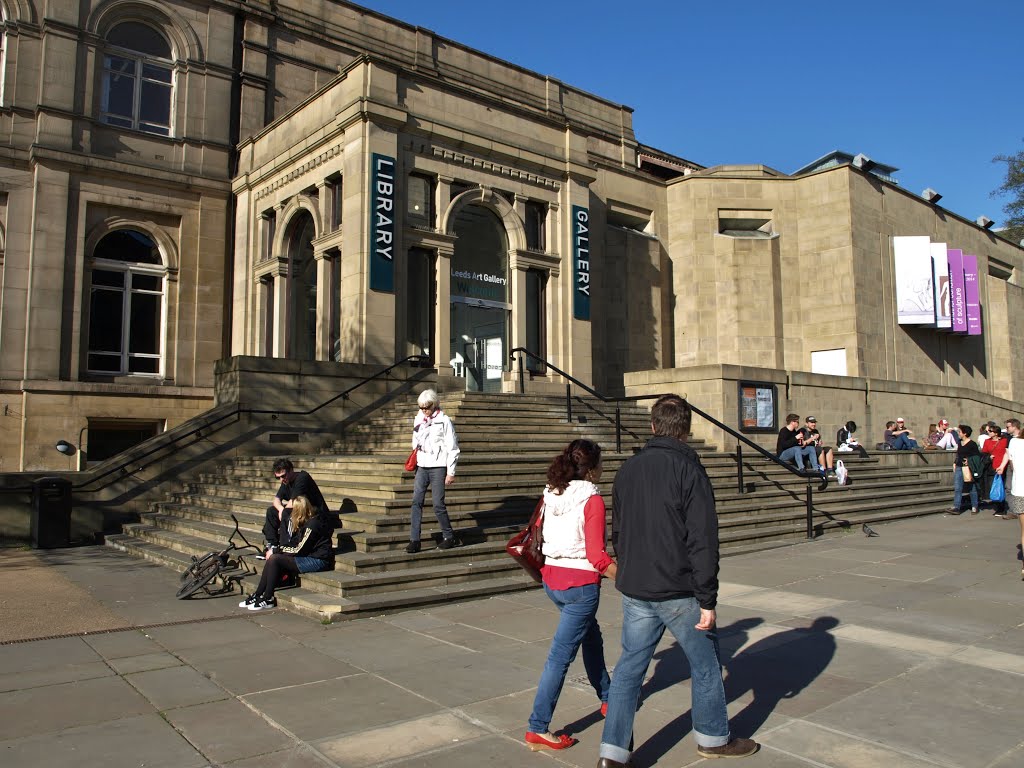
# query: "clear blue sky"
[[932, 88]]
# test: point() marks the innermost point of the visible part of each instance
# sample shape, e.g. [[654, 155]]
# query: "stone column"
[[442, 311]]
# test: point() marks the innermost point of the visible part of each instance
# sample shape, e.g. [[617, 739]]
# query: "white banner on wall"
[[940, 282], [915, 299]]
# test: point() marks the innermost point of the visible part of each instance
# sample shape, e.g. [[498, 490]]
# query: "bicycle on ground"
[[220, 566]]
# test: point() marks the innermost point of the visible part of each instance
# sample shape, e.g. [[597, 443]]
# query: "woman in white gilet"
[[575, 559]]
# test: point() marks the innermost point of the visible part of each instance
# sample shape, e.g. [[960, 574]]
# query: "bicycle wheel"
[[204, 574], [192, 570]]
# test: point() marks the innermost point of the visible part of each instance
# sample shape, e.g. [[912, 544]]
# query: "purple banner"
[[957, 290], [973, 295]]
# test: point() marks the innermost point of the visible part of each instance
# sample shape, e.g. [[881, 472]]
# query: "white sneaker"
[[247, 602], [262, 604]]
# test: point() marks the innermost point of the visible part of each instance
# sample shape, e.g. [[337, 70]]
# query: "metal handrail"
[[121, 470], [741, 439]]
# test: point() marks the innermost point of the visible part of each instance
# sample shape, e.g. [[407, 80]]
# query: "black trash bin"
[[51, 513]]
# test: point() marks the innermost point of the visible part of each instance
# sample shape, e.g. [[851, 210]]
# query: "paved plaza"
[[901, 651]]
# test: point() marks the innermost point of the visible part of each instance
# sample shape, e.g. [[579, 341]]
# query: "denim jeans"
[[903, 443], [796, 454], [958, 489], [577, 627], [434, 477], [311, 564], [643, 624]]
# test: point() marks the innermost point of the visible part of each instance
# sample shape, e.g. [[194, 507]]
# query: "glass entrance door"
[[479, 344]]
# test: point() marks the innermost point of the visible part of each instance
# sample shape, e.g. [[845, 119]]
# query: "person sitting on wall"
[[823, 452], [940, 436], [847, 440], [898, 436], [790, 446], [276, 527]]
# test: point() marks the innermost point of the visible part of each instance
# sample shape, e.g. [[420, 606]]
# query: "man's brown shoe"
[[607, 762], [735, 748]]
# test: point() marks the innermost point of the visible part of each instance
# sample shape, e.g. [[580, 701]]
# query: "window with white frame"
[[126, 305], [138, 79]]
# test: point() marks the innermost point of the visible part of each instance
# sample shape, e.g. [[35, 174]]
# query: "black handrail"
[[237, 410], [741, 439]]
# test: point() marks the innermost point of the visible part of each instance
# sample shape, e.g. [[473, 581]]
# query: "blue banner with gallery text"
[[382, 224], [581, 262]]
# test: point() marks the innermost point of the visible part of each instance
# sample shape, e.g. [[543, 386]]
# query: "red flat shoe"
[[537, 742]]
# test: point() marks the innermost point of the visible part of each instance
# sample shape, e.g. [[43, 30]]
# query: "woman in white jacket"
[[437, 453], [575, 559]]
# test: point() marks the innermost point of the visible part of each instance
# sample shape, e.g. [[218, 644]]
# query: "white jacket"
[[565, 543], [435, 442]]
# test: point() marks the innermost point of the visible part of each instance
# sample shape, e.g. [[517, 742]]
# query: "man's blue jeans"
[[796, 454], [958, 489], [903, 443], [643, 624], [577, 627], [434, 477]]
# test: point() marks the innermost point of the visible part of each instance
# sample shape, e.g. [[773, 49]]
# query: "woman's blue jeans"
[[577, 627], [434, 477], [643, 624], [958, 489]]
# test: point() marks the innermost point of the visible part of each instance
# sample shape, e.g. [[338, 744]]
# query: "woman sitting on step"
[[311, 549], [575, 559]]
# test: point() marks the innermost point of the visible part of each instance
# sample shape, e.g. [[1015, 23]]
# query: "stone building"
[[182, 182]]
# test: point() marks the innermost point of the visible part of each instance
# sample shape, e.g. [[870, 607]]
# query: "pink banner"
[[973, 293], [957, 290]]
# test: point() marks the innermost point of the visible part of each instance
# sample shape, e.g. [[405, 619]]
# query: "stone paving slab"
[[903, 651]]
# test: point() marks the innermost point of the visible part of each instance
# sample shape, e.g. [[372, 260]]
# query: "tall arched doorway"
[[302, 288], [480, 298]]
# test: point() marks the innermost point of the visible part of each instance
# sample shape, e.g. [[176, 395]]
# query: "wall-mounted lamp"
[[984, 222], [931, 196], [63, 446], [863, 162]]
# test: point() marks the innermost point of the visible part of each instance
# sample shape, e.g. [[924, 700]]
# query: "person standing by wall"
[[665, 533], [1014, 458], [967, 455]]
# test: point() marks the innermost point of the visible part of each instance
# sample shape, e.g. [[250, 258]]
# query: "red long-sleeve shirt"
[[594, 515]]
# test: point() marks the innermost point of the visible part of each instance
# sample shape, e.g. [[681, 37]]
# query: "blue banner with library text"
[[581, 262], [382, 224]]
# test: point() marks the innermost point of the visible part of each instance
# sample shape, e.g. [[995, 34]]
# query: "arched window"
[[138, 79], [126, 305]]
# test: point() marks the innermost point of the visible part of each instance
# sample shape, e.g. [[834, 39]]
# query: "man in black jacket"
[[665, 532], [293, 485]]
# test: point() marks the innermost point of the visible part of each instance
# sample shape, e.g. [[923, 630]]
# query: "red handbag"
[[410, 463], [525, 546]]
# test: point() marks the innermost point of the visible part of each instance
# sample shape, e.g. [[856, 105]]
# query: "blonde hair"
[[302, 511]]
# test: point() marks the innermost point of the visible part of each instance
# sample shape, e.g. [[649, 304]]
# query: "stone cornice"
[[314, 162], [489, 166]]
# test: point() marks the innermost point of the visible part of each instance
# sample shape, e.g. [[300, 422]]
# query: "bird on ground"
[[868, 530]]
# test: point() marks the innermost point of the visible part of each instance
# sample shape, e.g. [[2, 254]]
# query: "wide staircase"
[[507, 442]]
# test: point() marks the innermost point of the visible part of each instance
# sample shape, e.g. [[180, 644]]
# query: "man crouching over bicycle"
[[311, 549]]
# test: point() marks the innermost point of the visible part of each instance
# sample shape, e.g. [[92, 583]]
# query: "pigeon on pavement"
[[868, 530]]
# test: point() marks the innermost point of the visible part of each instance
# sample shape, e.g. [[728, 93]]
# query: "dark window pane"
[[120, 122], [107, 278], [128, 245], [156, 104], [153, 72], [159, 130], [144, 365], [139, 37], [146, 282], [420, 194], [105, 318], [119, 95], [144, 331], [105, 363]]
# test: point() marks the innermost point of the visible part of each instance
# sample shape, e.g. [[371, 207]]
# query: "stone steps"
[[508, 442]]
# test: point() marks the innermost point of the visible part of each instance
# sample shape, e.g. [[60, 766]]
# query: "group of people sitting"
[[803, 445]]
